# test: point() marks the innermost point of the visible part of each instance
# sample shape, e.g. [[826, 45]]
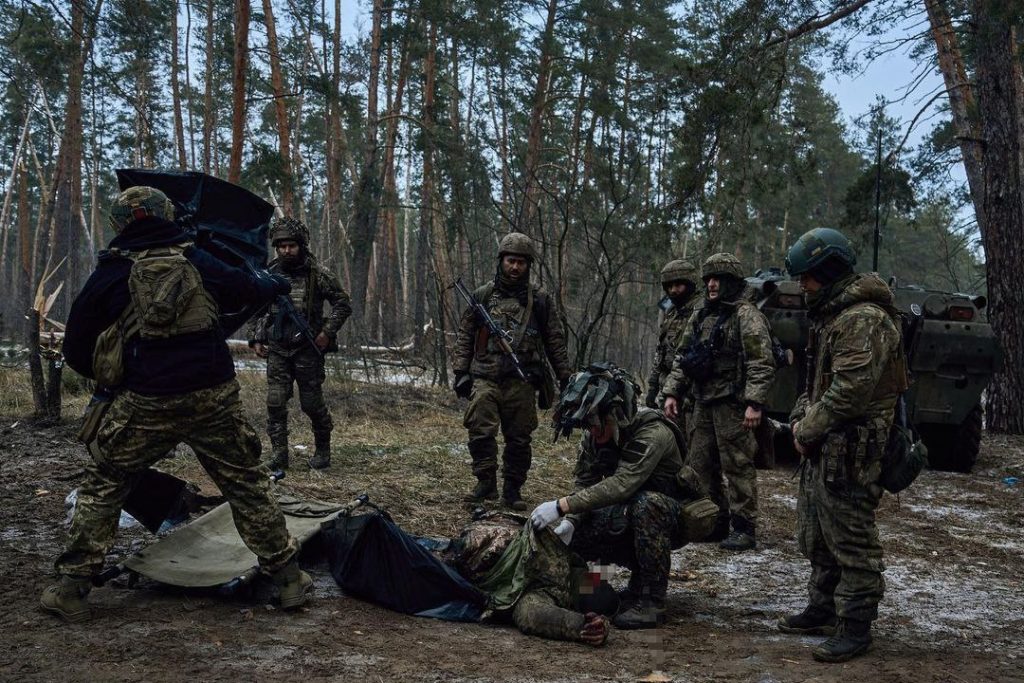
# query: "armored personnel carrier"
[[952, 351]]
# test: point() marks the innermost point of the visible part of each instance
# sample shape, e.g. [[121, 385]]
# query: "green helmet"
[[137, 203], [817, 246], [722, 263], [518, 244], [591, 394], [289, 229], [679, 270]]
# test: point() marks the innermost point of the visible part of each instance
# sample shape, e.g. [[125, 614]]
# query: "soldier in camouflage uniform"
[[679, 280], [291, 359], [728, 370], [635, 501], [498, 398], [177, 385], [856, 371]]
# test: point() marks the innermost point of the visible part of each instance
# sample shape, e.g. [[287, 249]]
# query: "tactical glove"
[[545, 514], [651, 400], [565, 530], [463, 384]]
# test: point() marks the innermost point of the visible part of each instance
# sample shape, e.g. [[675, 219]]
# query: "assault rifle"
[[503, 336], [287, 307]]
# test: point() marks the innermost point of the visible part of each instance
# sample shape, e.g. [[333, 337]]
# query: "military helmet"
[[591, 394], [679, 270], [287, 228], [817, 246], [139, 202], [722, 263], [518, 244]]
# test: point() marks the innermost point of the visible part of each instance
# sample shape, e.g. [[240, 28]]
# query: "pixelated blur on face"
[[713, 287], [514, 265], [604, 432]]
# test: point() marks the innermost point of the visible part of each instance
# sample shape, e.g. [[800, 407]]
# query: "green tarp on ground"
[[208, 552]]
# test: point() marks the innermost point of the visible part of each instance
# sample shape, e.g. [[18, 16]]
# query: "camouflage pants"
[[720, 445], [640, 535], [511, 406], [136, 432], [837, 533], [538, 613], [304, 367]]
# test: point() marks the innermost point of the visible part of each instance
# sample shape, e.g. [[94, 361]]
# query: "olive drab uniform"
[[500, 400], [631, 501], [741, 375], [857, 372], [292, 358], [675, 315]]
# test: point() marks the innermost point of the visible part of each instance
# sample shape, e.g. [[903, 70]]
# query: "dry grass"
[[404, 446]]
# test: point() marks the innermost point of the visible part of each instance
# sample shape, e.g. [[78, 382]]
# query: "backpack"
[[905, 454], [167, 300]]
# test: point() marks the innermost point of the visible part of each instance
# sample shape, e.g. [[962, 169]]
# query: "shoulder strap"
[[525, 319]]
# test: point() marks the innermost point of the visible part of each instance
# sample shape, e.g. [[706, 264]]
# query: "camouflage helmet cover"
[[722, 263], [591, 394], [138, 202], [817, 246], [287, 228], [679, 270], [518, 244]]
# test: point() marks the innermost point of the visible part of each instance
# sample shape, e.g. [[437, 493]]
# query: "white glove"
[[565, 530], [545, 514]]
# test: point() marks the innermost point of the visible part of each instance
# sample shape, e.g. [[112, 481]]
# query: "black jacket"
[[159, 366]]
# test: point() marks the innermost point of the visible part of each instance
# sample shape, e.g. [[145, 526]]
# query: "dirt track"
[[954, 608]]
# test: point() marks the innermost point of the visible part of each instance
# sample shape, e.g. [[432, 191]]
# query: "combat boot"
[[813, 621], [741, 538], [852, 639], [292, 584], [67, 599], [511, 497], [321, 459], [719, 532], [279, 454], [485, 489], [646, 612]]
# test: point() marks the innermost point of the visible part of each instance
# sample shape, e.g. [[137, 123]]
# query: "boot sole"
[[826, 658], [639, 625], [70, 617], [813, 631], [298, 601]]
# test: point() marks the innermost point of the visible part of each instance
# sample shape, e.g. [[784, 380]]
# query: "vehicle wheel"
[[954, 448]]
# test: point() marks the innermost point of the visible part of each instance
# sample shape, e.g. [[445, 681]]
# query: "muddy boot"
[[292, 584], [852, 639], [720, 531], [646, 612], [813, 621], [510, 496], [485, 489], [67, 599], [279, 454], [741, 538]]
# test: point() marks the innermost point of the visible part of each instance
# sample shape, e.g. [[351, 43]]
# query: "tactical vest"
[[670, 335], [304, 296], [167, 299], [727, 366]]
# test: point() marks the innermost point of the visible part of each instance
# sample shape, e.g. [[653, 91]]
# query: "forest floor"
[[953, 610]]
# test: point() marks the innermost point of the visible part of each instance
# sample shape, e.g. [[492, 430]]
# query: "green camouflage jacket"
[[477, 353], [312, 285], [855, 360], [672, 328], [743, 367], [649, 459]]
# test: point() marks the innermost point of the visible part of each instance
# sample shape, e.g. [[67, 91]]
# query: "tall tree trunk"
[[1000, 91], [962, 103], [425, 237], [208, 110], [531, 185], [243, 10], [179, 126], [280, 111], [188, 82]]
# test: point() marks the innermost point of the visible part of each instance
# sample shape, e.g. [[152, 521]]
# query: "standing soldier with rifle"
[[293, 336], [500, 373], [679, 280]]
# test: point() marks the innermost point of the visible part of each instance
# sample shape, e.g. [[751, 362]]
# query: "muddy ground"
[[953, 611]]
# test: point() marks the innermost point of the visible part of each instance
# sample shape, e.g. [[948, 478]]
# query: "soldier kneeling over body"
[[635, 501]]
